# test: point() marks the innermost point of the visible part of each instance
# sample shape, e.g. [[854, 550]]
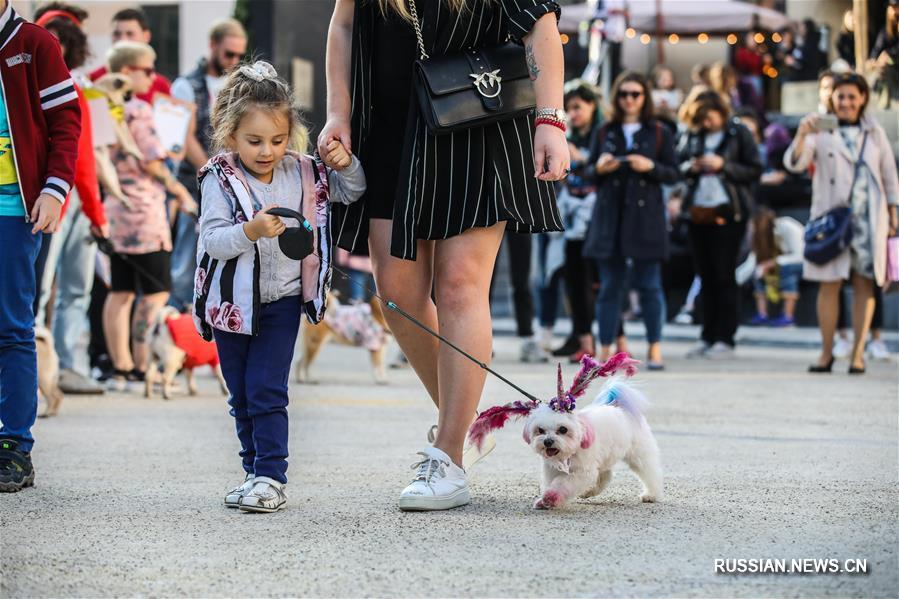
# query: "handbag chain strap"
[[418, 35]]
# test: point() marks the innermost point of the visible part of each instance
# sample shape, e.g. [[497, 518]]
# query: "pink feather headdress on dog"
[[496, 417]]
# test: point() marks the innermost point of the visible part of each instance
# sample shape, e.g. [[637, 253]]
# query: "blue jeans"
[[256, 369], [18, 357], [646, 279], [184, 261]]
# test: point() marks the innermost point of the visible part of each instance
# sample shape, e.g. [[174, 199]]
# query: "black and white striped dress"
[[441, 185]]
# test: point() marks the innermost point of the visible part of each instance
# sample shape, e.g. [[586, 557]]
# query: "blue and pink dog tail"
[[616, 391]]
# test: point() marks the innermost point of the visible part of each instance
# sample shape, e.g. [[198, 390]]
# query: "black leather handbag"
[[471, 88], [828, 236]]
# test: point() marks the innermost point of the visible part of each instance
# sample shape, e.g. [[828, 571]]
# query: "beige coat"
[[834, 166]]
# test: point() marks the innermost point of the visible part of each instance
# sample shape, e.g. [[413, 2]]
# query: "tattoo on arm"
[[533, 69]]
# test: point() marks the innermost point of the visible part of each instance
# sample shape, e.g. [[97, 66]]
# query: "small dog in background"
[[579, 449], [356, 325], [47, 372], [175, 345]]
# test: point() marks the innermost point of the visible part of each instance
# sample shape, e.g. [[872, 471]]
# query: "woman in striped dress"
[[437, 206]]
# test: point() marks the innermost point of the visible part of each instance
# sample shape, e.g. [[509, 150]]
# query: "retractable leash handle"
[[295, 242]]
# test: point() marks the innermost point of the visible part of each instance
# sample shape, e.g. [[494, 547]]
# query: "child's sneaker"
[[877, 349], [267, 495], [842, 348], [16, 471], [782, 322], [759, 320], [232, 499], [438, 484]]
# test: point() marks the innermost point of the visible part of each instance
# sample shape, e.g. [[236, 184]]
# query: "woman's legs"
[[116, 315], [408, 283], [144, 316], [828, 307], [463, 266], [648, 281], [578, 286], [612, 280], [862, 312]]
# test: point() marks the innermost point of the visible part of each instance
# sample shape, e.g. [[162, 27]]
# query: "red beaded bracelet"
[[550, 121]]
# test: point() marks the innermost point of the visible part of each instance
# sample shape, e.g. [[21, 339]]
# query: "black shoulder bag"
[[471, 88], [827, 236]]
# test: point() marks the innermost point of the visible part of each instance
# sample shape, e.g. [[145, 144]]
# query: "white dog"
[[579, 449]]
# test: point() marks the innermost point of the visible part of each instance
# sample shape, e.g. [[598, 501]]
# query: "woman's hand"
[[575, 153], [808, 124], [185, 199], [711, 163], [551, 159], [336, 129], [264, 225], [606, 164], [640, 163]]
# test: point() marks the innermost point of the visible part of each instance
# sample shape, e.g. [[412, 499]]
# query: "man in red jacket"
[[39, 126]]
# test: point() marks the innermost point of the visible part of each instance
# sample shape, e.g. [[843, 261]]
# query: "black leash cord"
[[392, 306]]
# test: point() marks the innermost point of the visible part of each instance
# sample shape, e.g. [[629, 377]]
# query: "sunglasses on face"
[[148, 71], [234, 55], [626, 94]]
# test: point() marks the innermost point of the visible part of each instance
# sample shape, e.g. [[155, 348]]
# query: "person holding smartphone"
[[628, 228], [854, 166], [721, 162]]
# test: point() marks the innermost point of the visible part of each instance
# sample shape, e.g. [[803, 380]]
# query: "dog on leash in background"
[[175, 345], [579, 449], [356, 325], [47, 372]]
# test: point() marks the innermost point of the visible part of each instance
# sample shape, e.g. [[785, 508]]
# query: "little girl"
[[248, 294]]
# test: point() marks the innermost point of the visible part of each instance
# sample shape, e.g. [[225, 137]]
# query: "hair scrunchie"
[[259, 71]]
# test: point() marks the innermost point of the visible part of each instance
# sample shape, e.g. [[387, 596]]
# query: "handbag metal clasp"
[[484, 82]]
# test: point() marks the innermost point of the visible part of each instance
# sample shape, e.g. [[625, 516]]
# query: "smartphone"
[[827, 122]]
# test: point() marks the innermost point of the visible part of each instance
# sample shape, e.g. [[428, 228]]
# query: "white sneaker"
[[720, 351], [546, 341], [842, 348], [877, 349], [267, 495], [438, 484], [683, 317], [471, 455], [531, 352], [698, 351], [232, 499]]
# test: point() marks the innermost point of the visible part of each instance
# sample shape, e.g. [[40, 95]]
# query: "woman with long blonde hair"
[[437, 206]]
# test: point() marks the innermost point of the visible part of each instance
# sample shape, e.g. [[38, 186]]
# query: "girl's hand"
[[552, 161], [640, 163], [606, 164], [264, 225], [337, 157], [185, 199], [808, 124], [338, 129]]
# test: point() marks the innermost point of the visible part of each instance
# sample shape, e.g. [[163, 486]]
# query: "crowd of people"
[[650, 167]]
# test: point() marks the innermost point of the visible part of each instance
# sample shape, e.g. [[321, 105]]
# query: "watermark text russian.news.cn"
[[790, 566]]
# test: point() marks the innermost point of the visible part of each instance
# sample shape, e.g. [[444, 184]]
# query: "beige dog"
[[47, 372], [183, 350], [356, 325]]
